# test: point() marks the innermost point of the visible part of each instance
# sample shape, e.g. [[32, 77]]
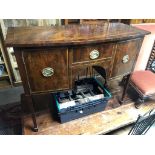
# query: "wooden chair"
[[144, 81], [143, 123]]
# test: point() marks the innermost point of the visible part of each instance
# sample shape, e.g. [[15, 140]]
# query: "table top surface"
[[70, 34]]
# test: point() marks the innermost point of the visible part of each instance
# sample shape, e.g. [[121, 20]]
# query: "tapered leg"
[[31, 107], [30, 103], [34, 116], [126, 84]]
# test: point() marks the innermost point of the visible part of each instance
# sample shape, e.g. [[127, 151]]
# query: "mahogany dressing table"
[[50, 59]]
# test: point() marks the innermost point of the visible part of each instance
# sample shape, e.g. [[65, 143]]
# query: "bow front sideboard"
[[50, 59]]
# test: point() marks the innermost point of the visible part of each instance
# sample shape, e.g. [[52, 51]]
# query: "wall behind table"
[[146, 46]]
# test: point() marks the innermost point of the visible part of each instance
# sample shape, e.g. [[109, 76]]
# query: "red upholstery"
[[144, 81]]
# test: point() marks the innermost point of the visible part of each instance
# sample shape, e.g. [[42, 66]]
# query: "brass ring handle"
[[48, 71], [94, 54], [125, 59]]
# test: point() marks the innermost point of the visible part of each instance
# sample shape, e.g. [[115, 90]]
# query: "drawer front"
[[125, 57], [86, 70], [47, 69], [92, 52]]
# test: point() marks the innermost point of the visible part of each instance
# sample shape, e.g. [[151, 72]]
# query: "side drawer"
[[125, 57], [46, 69], [91, 53]]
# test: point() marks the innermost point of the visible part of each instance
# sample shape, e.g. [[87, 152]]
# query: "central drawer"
[[90, 53]]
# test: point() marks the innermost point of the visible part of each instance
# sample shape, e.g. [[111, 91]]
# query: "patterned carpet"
[[10, 120]]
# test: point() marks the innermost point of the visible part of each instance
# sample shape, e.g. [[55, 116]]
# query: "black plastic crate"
[[95, 103]]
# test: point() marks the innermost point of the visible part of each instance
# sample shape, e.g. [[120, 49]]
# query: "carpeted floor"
[[10, 119], [10, 111], [10, 95]]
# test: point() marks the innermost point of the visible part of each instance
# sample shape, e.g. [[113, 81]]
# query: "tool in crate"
[[89, 95]]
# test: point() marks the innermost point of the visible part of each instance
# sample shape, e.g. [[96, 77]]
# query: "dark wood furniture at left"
[[5, 76], [51, 58]]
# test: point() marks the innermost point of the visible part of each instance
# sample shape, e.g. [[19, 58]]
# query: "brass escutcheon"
[[125, 59], [94, 54], [48, 71]]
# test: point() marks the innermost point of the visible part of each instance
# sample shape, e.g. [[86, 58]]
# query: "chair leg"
[[139, 102]]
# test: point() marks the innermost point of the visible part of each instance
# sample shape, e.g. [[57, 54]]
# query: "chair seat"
[[144, 81]]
